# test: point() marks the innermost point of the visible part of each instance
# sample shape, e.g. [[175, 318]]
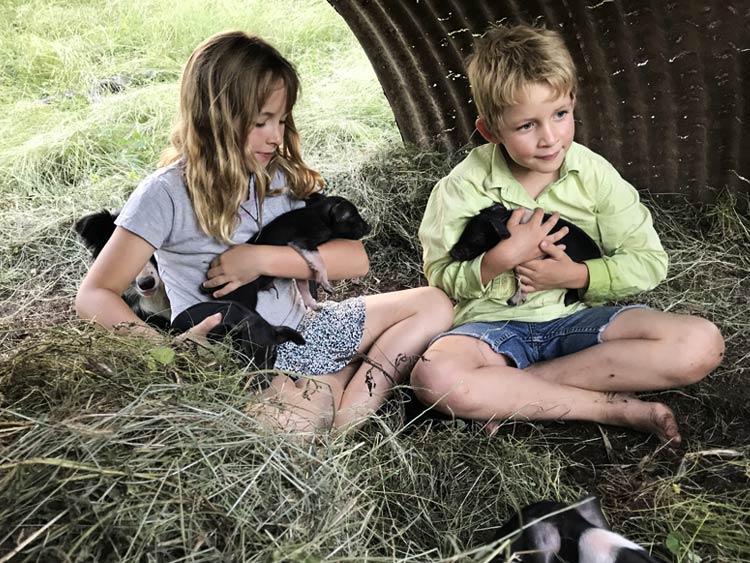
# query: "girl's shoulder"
[[169, 178]]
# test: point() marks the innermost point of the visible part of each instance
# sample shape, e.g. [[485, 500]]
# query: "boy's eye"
[[525, 127], [561, 114]]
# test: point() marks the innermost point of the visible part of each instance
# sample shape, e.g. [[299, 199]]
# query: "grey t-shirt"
[[160, 212]]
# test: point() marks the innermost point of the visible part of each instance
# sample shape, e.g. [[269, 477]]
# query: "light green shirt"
[[590, 193]]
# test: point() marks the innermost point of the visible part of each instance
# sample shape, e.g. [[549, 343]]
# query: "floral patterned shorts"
[[333, 335]]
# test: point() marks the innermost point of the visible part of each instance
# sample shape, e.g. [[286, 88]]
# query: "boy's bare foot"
[[650, 417], [626, 410]]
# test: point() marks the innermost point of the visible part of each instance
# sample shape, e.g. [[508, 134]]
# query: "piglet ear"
[[499, 215], [342, 211], [284, 333], [591, 510]]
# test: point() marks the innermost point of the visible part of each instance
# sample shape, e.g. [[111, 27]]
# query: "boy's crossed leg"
[[644, 349]]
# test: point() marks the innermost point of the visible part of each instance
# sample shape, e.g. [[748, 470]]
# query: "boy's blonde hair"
[[508, 59], [224, 86]]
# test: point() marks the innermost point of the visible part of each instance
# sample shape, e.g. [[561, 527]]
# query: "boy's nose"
[[547, 135]]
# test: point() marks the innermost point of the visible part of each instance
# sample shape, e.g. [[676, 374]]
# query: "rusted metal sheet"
[[664, 86]]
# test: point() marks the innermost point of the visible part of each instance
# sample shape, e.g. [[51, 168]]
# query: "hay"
[[109, 455], [111, 452]]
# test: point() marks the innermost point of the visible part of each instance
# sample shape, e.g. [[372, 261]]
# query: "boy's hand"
[[524, 243], [554, 272], [527, 236], [233, 268]]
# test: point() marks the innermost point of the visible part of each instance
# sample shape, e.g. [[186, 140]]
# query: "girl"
[[235, 164]]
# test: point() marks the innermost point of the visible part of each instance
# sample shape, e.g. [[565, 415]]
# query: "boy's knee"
[[439, 306], [701, 350]]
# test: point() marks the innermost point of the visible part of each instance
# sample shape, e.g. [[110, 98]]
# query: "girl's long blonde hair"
[[224, 85]]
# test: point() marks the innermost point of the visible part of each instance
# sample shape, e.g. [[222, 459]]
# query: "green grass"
[[71, 144], [111, 452]]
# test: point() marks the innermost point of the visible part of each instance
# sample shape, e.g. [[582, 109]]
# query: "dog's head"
[[96, 229]]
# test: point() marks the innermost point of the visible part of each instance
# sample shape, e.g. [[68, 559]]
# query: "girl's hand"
[[554, 272], [199, 332], [233, 268]]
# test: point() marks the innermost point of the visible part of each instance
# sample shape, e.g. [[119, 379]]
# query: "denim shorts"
[[526, 343]]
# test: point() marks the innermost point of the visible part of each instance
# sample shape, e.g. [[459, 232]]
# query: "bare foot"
[[491, 427], [651, 417]]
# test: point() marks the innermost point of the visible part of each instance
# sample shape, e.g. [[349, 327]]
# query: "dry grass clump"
[[112, 453]]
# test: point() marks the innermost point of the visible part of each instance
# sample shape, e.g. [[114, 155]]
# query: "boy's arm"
[[448, 210], [633, 257]]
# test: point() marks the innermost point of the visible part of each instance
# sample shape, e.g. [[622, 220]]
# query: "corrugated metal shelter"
[[664, 85]]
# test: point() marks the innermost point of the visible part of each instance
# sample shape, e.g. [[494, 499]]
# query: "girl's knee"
[[438, 306]]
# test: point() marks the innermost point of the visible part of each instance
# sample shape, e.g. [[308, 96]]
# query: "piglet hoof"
[[518, 298], [325, 286], [311, 304], [307, 297]]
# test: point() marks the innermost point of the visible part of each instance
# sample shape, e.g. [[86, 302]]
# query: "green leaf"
[[163, 354], [673, 543]]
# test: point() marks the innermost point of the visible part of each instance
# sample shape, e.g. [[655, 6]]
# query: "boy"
[[542, 359]]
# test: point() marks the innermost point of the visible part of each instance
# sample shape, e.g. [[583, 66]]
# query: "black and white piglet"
[[146, 295], [489, 227], [553, 532], [322, 219]]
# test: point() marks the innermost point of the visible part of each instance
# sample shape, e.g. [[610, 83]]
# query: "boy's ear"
[[485, 131]]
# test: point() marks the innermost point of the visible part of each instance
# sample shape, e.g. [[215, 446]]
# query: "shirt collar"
[[501, 178]]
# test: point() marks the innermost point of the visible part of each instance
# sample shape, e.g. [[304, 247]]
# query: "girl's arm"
[[99, 296], [243, 263]]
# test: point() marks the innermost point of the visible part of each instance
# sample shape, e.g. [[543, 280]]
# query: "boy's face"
[[538, 131]]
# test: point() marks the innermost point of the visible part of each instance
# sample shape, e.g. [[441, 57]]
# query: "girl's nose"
[[276, 134]]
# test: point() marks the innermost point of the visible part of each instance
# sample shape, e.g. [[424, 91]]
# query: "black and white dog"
[[322, 219], [551, 532], [146, 295], [489, 227]]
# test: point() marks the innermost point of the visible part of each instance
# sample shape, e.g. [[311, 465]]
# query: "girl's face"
[[538, 131], [268, 132]]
